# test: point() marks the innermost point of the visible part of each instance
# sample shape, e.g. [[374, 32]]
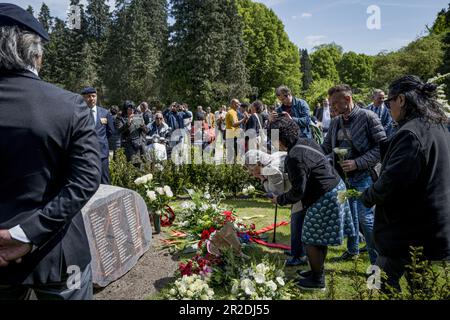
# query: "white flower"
[[251, 189], [272, 285], [190, 294], [204, 207], [151, 195], [247, 286], [173, 292], [148, 177], [261, 268], [160, 191], [169, 193], [342, 196], [191, 191], [185, 205], [139, 181], [341, 152], [167, 189], [260, 278], [280, 281], [245, 191], [185, 224], [207, 196]]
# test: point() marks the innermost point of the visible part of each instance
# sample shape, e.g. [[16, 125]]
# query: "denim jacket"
[[300, 113]]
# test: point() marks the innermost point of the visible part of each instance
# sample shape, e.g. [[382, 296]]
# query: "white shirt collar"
[[31, 69]]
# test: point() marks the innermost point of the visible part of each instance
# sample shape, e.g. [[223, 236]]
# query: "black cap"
[[88, 90], [12, 15]]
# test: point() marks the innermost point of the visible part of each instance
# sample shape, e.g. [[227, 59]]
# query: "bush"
[[230, 179]]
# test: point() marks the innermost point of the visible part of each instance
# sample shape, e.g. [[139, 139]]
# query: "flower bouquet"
[[347, 195], [193, 287], [157, 198], [262, 281]]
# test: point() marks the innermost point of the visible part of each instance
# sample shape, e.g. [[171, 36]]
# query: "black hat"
[[12, 15], [88, 90]]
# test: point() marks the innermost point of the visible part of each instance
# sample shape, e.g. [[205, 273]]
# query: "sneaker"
[[312, 283], [363, 249], [346, 256], [295, 261], [303, 274]]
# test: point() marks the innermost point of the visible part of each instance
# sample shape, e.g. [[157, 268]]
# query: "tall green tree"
[[206, 52], [355, 69], [30, 10], [134, 50], [45, 18], [306, 69], [272, 59], [325, 60]]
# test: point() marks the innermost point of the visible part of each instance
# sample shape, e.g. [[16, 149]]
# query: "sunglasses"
[[387, 102]]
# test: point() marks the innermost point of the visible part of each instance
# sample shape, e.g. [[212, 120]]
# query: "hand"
[[11, 249], [285, 114], [349, 165], [275, 200], [273, 116]]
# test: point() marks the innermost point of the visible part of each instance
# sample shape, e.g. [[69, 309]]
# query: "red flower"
[[252, 226], [205, 235]]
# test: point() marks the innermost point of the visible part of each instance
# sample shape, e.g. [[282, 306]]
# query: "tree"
[[355, 69], [325, 59], [45, 18], [30, 10], [306, 69], [206, 53], [134, 50], [422, 57], [317, 91], [442, 23], [272, 59]]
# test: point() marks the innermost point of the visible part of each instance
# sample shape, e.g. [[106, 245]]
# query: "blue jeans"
[[362, 216]]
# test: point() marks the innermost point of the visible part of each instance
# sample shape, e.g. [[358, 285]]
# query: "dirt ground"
[[153, 272]]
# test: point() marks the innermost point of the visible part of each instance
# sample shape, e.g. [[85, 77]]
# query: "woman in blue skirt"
[[316, 183]]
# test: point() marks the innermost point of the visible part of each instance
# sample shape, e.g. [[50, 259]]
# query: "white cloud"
[[313, 41], [306, 15]]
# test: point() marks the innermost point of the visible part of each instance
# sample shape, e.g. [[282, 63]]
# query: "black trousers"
[[105, 172], [52, 291]]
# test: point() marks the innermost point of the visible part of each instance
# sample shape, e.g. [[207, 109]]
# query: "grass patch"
[[346, 280]]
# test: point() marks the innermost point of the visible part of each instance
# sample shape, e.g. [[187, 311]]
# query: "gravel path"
[[153, 272]]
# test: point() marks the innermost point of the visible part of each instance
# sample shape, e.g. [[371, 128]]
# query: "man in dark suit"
[[49, 169], [104, 125]]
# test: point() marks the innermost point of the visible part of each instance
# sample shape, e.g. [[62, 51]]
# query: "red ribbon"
[[271, 227], [270, 245], [167, 217]]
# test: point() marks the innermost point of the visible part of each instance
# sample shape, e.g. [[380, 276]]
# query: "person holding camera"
[[133, 130]]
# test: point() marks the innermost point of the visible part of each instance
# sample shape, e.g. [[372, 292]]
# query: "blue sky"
[[312, 22]]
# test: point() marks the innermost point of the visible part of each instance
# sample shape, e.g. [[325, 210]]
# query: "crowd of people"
[[395, 152]]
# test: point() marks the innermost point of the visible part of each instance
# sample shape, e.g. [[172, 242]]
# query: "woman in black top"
[[316, 183], [412, 194]]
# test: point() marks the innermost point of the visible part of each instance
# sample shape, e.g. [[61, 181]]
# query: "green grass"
[[347, 276]]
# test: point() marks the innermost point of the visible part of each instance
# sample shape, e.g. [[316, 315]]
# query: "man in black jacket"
[[49, 168], [358, 132]]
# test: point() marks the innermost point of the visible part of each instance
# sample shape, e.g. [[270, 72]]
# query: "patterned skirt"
[[327, 221]]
